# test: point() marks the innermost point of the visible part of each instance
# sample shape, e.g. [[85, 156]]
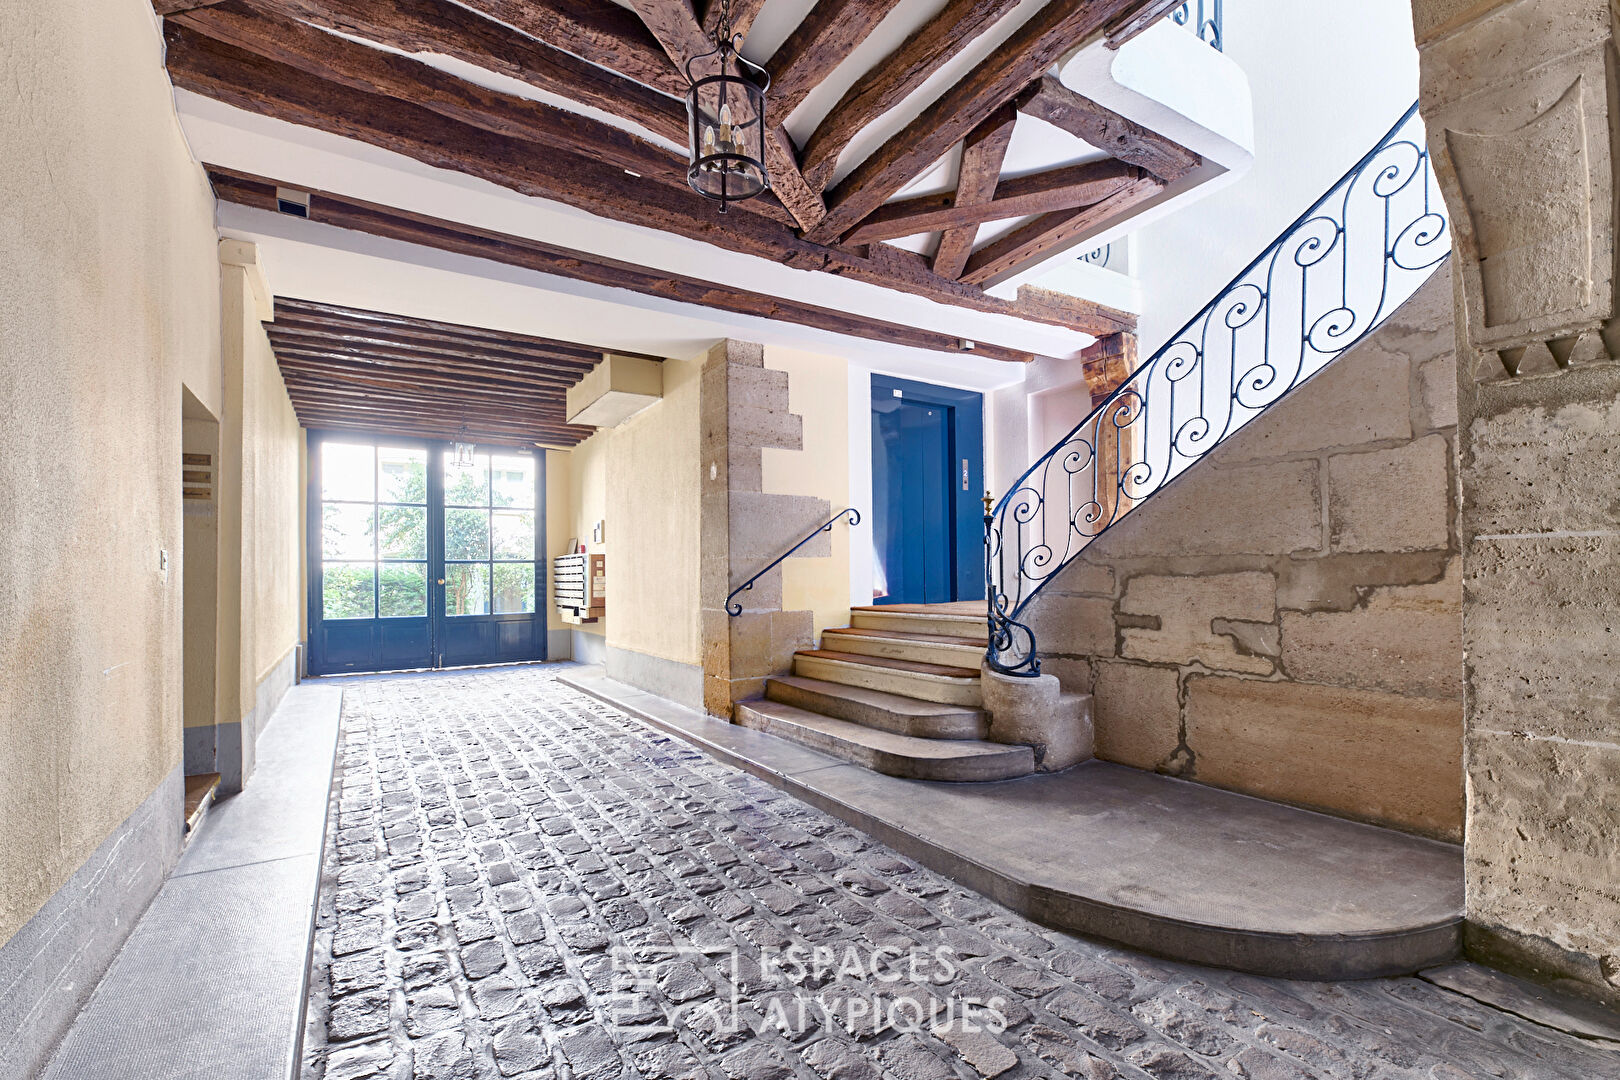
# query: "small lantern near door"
[[725, 108], [463, 449]]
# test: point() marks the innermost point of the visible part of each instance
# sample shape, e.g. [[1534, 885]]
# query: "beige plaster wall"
[[1284, 620], [559, 527], [818, 391], [108, 302], [199, 562], [641, 479]]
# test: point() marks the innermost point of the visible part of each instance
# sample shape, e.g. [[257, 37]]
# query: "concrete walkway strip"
[[1170, 867], [212, 980]]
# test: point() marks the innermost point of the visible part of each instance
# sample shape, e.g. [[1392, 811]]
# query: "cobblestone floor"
[[523, 882]]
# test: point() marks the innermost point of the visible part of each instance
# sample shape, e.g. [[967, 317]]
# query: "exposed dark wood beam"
[[1057, 189], [1028, 244], [1150, 13], [894, 78], [743, 14], [357, 371], [440, 26], [405, 421], [980, 171], [596, 30], [370, 70], [238, 77], [1049, 100], [335, 391], [1026, 55], [293, 329], [350, 213], [170, 7], [486, 337], [406, 428], [416, 364], [820, 42], [674, 24]]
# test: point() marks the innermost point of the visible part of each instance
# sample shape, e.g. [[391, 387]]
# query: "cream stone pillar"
[[744, 408], [1519, 99]]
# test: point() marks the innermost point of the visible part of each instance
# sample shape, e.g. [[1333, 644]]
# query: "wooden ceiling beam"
[[821, 41], [336, 391], [983, 151], [1057, 189], [321, 372], [743, 14], [440, 26], [361, 366], [246, 80], [895, 78], [561, 368], [381, 321], [1049, 33], [350, 213], [1051, 101], [414, 364], [451, 411], [596, 30], [442, 430], [1026, 245]]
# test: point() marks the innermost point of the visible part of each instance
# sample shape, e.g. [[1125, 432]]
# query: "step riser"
[[921, 652], [923, 687], [1017, 762], [921, 624], [973, 725]]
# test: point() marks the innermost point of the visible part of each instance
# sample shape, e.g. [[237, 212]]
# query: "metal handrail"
[[735, 610], [1330, 279], [1208, 27]]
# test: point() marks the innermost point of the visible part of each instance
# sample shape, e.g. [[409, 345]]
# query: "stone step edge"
[[897, 667], [904, 711]]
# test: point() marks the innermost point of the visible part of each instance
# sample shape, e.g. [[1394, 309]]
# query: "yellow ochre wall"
[[818, 390], [109, 294], [587, 504]]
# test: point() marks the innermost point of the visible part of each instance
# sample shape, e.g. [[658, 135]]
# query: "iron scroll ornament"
[[735, 609], [1329, 280]]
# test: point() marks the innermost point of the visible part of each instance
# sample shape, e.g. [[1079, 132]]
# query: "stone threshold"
[[1171, 868], [213, 978]]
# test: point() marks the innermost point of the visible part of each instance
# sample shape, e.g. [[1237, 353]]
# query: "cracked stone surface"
[[522, 882]]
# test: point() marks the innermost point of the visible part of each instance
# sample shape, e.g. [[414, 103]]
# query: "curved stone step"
[[950, 620], [876, 709], [930, 682], [922, 648], [886, 752]]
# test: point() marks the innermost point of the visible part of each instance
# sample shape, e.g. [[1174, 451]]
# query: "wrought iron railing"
[[735, 609], [1342, 268], [1203, 17]]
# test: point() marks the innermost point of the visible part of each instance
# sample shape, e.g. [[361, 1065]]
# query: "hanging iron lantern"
[[725, 112]]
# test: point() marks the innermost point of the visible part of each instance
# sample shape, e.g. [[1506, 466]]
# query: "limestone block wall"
[[1284, 619], [1519, 101]]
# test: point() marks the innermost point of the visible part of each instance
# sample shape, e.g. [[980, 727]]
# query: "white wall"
[[1328, 79]]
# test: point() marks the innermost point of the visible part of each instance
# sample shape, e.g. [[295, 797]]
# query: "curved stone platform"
[[1169, 867]]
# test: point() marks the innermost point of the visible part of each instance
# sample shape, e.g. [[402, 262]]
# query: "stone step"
[[876, 709], [886, 752], [905, 645], [929, 682], [948, 620]]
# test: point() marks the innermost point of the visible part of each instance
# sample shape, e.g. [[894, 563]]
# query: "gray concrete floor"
[[522, 881]]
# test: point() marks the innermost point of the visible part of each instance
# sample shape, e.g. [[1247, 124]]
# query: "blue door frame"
[[927, 473], [433, 639]]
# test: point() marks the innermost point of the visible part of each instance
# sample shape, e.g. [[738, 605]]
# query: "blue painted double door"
[[927, 476], [418, 561]]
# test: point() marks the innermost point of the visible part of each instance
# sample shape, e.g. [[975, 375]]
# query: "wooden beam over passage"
[[1020, 248], [350, 213], [982, 153]]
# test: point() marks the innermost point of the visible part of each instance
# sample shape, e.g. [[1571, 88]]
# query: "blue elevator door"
[[911, 482]]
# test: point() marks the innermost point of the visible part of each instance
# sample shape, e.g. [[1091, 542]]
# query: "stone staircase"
[[897, 692]]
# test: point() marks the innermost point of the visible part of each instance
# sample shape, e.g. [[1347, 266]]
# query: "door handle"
[[441, 581]]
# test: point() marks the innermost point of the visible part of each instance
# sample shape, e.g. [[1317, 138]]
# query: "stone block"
[[1137, 712], [1437, 392], [1075, 625], [1391, 500], [1541, 849], [1267, 509], [1405, 640], [1541, 635], [763, 643], [1036, 713], [1074, 674], [1337, 582], [1377, 757], [775, 429], [1361, 397], [1085, 578], [1549, 463], [764, 526], [1186, 608], [731, 351]]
